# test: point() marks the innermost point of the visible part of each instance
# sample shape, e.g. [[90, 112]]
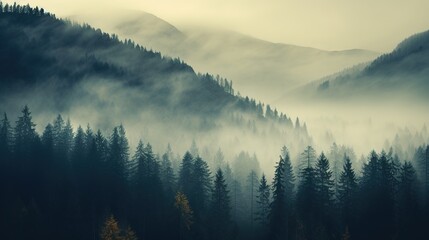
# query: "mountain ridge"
[[58, 66], [402, 72], [250, 62]]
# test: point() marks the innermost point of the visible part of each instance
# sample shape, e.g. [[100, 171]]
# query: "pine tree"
[[129, 234], [63, 137], [278, 218], [118, 154], [347, 190], [219, 160], [79, 153], [408, 204], [201, 186], [6, 137], [306, 202], [167, 175], [263, 202], [124, 147], [185, 174], [220, 208], [252, 186], [111, 230], [148, 192], [25, 133], [116, 171], [288, 180], [67, 136], [185, 212], [386, 195], [308, 157], [324, 183]]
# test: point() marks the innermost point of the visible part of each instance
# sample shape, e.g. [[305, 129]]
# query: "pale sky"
[[327, 24]]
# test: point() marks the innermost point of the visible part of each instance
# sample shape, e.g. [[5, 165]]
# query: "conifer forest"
[[117, 125]]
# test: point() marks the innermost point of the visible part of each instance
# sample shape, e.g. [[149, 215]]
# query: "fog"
[[246, 60], [374, 25], [104, 103]]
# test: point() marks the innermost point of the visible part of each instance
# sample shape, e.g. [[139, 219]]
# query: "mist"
[[149, 124], [310, 23]]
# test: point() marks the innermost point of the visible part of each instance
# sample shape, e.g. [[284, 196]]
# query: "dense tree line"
[[32, 39], [79, 184]]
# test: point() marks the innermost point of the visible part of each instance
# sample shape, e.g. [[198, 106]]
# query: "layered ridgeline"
[[56, 66], [250, 62], [401, 74]]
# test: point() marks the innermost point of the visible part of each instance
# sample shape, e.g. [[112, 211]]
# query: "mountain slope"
[[403, 72], [56, 66], [251, 63]]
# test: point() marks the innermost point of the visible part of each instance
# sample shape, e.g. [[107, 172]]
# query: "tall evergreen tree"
[[219, 160], [252, 186], [201, 186], [306, 202], [167, 174], [278, 218], [325, 196], [185, 174], [289, 185], [25, 133], [308, 158], [6, 138], [116, 172], [220, 209], [263, 202], [410, 226], [347, 190]]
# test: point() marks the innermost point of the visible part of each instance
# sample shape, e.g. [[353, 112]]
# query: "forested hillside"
[[123, 143], [59, 66], [402, 72], [68, 183]]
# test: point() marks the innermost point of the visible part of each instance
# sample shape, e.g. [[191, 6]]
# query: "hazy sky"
[[327, 24]]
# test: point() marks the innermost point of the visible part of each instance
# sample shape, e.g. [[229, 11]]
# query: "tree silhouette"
[[347, 190], [278, 218], [220, 208]]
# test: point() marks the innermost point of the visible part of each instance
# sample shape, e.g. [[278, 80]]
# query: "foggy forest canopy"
[[123, 142]]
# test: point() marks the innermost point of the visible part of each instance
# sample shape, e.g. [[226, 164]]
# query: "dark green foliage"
[[25, 133], [306, 202], [47, 193], [185, 174], [278, 217], [409, 214], [263, 204], [289, 181], [6, 136], [220, 220], [377, 197], [148, 192], [167, 175], [325, 196], [347, 193], [201, 186], [39, 49]]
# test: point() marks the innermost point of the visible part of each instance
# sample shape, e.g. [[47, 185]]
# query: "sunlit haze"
[[330, 25]]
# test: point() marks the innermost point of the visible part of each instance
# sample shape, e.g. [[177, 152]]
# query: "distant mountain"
[[260, 68], [402, 73], [56, 66]]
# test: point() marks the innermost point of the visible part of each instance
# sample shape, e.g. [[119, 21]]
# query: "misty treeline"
[[80, 184], [75, 69], [62, 66], [40, 49]]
